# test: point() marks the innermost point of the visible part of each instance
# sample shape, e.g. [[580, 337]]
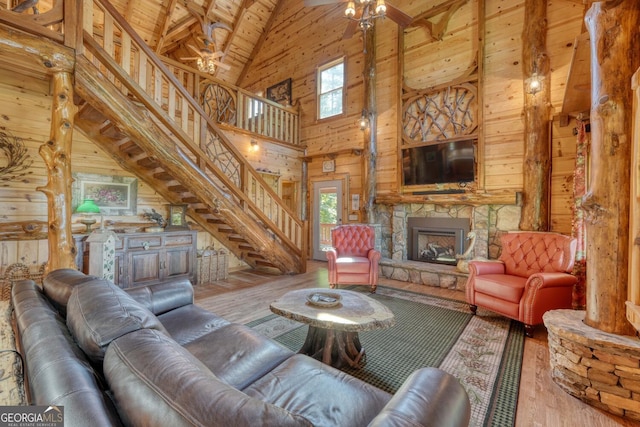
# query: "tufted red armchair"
[[530, 278], [353, 259]]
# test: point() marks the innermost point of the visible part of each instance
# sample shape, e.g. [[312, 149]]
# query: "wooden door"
[[327, 213]]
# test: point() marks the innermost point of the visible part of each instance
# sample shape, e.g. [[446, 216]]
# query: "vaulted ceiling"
[[174, 28]]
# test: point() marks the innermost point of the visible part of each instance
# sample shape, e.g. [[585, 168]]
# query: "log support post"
[[57, 157], [537, 109], [370, 153], [615, 55]]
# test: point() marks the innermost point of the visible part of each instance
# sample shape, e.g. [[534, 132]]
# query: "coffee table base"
[[335, 348]]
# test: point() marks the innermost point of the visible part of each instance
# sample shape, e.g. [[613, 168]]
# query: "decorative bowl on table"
[[324, 299]]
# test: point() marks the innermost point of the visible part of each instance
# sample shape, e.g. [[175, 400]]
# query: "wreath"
[[18, 159]]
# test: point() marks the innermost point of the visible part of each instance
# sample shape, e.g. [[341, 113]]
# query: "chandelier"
[[369, 12], [206, 64]]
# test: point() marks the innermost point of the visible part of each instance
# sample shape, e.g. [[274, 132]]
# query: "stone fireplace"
[[436, 240]]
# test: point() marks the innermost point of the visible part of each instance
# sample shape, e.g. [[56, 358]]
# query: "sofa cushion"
[[163, 297], [322, 394], [58, 372], [190, 322], [99, 312], [503, 286], [157, 382], [58, 285], [353, 265], [237, 354]]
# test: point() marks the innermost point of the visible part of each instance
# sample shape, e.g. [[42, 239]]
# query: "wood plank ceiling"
[[170, 26]]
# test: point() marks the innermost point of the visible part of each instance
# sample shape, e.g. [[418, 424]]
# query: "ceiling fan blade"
[[195, 49], [350, 30], [353, 25], [398, 16], [312, 3], [222, 65]]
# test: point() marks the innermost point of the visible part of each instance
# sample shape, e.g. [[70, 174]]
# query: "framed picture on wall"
[[329, 166], [280, 92], [177, 219], [115, 195]]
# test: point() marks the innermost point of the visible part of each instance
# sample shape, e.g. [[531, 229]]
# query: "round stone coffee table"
[[333, 331]]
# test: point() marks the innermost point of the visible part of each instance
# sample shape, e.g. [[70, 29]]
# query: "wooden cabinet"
[[148, 258]]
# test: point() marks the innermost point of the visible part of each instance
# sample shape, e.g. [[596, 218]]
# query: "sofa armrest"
[[332, 255], [429, 397], [550, 280], [374, 256], [163, 297], [486, 267]]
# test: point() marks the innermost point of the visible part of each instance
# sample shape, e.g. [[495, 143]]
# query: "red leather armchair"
[[353, 259], [530, 278]]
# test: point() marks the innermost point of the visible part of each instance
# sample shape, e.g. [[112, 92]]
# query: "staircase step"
[[237, 238], [91, 114], [211, 220], [163, 176], [148, 162], [178, 188], [112, 131], [245, 246], [190, 200], [255, 255], [224, 229], [131, 148], [264, 263]]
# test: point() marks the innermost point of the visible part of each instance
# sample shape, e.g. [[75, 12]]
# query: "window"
[[254, 108], [331, 89]]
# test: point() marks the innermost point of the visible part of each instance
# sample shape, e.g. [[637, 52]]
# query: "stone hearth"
[[424, 273], [598, 368], [488, 221]]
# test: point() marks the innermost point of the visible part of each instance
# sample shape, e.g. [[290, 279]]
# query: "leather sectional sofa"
[[150, 357]]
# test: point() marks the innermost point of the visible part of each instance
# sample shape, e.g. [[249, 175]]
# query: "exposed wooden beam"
[[131, 6], [171, 7], [261, 40], [235, 26]]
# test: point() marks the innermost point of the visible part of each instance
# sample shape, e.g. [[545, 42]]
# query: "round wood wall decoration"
[[17, 157]]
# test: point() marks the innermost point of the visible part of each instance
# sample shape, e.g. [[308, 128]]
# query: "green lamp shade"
[[88, 206]]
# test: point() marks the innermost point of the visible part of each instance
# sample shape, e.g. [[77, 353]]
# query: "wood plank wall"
[[563, 160], [25, 112], [304, 38]]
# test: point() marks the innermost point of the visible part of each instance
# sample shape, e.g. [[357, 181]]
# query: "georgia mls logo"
[[31, 416]]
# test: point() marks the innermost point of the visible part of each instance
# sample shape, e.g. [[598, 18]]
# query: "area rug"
[[484, 352]]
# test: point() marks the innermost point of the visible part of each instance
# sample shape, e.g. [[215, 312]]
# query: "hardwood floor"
[[246, 296]]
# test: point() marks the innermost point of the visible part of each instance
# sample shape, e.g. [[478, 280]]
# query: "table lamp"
[[88, 207]]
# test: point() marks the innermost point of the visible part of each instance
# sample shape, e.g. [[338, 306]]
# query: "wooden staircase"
[[140, 114]]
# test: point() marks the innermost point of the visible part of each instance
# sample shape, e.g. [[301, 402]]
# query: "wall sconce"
[[533, 84], [254, 145], [88, 207], [364, 121]]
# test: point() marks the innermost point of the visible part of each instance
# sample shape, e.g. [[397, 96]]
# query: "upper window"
[[331, 89]]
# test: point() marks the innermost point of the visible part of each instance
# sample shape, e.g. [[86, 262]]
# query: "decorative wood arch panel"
[[441, 115]]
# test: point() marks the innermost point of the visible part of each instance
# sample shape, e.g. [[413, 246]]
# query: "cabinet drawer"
[[179, 240], [143, 242]]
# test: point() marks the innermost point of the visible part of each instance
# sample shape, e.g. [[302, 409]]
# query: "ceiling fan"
[[207, 59], [362, 17]]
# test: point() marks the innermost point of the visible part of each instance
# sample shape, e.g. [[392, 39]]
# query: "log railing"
[[325, 234], [123, 57], [230, 105]]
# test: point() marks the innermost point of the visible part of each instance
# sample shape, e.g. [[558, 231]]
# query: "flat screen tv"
[[448, 162]]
